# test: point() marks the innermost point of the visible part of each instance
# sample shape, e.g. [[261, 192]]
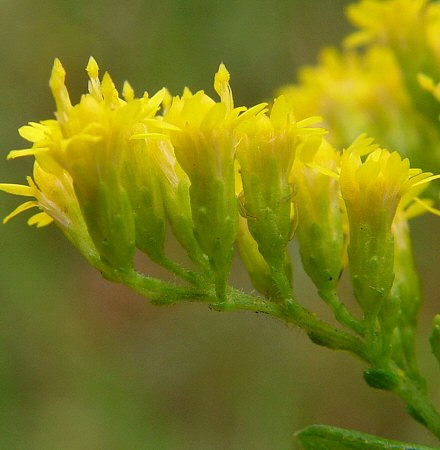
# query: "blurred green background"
[[85, 364]]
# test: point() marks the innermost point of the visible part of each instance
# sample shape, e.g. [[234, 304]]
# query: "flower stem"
[[340, 311], [419, 405], [318, 331]]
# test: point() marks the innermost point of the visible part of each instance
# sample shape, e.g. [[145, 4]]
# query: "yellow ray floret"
[[51, 195]]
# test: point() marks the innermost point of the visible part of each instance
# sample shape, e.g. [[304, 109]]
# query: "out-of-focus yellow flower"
[[410, 27], [393, 22], [358, 93], [381, 88], [411, 30]]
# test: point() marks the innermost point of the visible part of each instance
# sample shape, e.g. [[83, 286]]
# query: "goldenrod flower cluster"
[[121, 174], [117, 173]]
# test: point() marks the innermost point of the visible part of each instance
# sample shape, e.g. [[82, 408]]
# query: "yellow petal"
[[425, 204], [161, 124], [109, 91], [40, 219], [156, 100], [221, 86], [127, 92], [32, 133], [281, 112], [324, 170], [25, 152], [92, 68], [17, 189], [426, 180], [94, 84], [309, 121], [23, 207], [253, 111], [58, 88], [358, 39]]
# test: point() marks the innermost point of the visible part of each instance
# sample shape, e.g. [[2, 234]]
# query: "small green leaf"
[[380, 379], [322, 437]]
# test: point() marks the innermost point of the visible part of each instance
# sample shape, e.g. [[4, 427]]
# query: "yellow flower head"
[[373, 189], [90, 138], [317, 202], [266, 147], [55, 197], [267, 144], [202, 133], [203, 138], [89, 142], [274, 137]]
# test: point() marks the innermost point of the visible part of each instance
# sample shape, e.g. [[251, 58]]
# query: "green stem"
[[186, 274], [419, 405], [324, 334], [374, 341], [407, 344], [318, 331], [342, 314], [160, 292], [281, 281]]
